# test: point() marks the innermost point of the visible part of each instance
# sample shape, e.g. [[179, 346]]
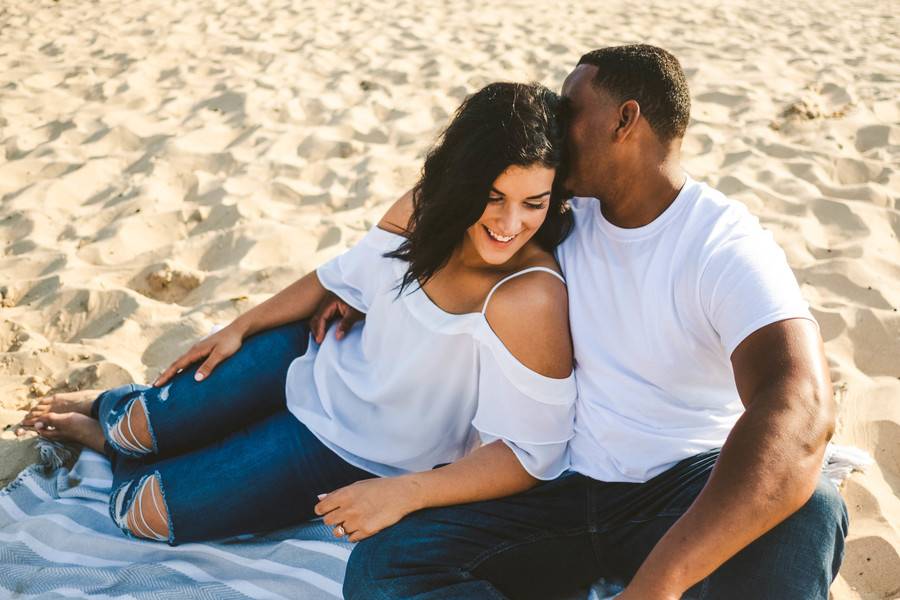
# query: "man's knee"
[[813, 537], [824, 516], [798, 559], [418, 555], [373, 566]]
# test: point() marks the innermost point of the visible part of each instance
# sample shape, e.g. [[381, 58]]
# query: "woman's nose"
[[510, 220]]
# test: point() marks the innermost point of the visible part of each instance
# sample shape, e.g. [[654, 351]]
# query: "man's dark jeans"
[[564, 534]]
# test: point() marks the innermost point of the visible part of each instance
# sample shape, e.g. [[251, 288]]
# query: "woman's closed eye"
[[534, 205]]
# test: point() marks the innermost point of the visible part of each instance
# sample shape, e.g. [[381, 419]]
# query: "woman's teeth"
[[498, 237]]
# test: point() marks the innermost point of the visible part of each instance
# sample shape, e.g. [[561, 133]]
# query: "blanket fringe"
[[841, 461], [53, 455]]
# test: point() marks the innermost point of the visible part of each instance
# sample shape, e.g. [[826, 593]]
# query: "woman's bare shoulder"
[[396, 219], [534, 307]]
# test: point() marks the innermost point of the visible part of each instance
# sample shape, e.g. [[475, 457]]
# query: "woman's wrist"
[[242, 325], [417, 494]]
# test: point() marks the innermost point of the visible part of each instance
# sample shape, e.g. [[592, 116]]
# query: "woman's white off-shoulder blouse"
[[413, 387]]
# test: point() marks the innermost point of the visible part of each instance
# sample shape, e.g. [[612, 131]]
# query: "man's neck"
[[644, 195]]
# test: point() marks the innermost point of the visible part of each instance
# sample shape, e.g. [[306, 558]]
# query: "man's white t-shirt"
[[656, 312]]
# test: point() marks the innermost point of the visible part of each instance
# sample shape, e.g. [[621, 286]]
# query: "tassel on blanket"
[[54, 455], [840, 461]]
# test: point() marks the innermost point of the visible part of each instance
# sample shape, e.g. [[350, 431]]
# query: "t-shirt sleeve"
[[360, 273], [533, 415], [748, 284]]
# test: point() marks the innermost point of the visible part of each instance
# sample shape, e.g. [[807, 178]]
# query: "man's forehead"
[[579, 79]]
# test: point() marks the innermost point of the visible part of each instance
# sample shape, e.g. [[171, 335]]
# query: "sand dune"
[[165, 165]]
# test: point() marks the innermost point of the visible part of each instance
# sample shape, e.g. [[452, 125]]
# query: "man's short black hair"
[[652, 77]]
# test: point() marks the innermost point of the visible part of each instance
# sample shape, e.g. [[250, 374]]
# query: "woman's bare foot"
[[72, 427], [65, 402]]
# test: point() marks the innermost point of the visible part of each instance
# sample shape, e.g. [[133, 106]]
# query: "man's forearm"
[[768, 469], [492, 471], [297, 301]]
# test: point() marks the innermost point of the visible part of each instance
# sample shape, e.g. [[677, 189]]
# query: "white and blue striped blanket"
[[58, 541]]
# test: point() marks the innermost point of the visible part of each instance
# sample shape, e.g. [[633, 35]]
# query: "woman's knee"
[[139, 509]]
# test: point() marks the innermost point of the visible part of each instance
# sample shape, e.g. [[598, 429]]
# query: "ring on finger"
[[340, 531]]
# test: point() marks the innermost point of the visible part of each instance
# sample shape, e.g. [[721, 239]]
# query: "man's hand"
[[329, 309], [364, 508]]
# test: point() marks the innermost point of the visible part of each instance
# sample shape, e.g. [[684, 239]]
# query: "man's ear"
[[629, 114]]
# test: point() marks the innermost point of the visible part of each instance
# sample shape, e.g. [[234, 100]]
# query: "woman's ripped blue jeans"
[[199, 461]]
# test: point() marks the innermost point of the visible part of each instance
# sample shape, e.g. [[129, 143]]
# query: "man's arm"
[[768, 468]]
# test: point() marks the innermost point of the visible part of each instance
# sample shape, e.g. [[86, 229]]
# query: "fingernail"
[[38, 425], [320, 496], [198, 376]]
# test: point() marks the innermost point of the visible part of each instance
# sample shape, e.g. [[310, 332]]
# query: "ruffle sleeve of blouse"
[[533, 414], [360, 273]]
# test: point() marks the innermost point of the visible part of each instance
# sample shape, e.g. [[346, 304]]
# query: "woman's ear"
[[629, 114]]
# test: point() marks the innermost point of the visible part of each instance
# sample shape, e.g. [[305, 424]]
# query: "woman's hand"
[[215, 348], [332, 307], [366, 507]]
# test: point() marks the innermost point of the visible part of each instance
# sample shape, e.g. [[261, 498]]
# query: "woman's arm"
[[295, 302], [491, 471], [366, 507]]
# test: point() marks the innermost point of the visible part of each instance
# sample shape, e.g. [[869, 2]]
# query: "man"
[[704, 397]]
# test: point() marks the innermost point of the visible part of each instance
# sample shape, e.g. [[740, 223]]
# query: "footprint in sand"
[[876, 136], [166, 283], [876, 342], [872, 567], [12, 336]]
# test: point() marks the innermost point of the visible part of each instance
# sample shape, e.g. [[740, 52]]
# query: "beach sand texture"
[[166, 165]]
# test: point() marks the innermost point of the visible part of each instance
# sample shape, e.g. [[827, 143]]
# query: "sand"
[[166, 165]]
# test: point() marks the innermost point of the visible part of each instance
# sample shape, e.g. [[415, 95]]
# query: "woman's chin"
[[497, 255]]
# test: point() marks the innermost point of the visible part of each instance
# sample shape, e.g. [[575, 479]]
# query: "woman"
[[466, 341]]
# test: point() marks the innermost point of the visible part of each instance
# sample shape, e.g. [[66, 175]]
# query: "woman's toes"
[[73, 427], [51, 434], [37, 412], [31, 419]]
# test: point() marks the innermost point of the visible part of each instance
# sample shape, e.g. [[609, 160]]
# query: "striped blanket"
[[58, 541]]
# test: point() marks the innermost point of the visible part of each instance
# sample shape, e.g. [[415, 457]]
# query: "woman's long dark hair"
[[503, 124]]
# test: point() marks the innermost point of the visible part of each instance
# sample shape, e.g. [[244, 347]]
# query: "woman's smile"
[[497, 237]]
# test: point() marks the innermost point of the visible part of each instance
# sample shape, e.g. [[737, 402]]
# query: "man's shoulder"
[[714, 220]]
